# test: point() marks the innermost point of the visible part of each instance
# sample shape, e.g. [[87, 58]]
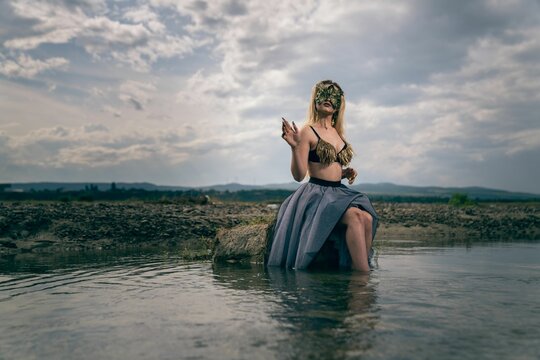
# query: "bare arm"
[[299, 143]]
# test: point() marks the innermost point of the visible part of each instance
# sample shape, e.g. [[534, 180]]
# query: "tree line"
[[93, 193]]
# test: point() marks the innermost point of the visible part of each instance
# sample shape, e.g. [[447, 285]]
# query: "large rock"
[[243, 243], [252, 243]]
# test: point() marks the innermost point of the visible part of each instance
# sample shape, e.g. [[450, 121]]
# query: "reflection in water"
[[40, 263], [325, 314], [466, 302]]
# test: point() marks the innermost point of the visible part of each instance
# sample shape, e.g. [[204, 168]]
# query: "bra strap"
[[315, 132]]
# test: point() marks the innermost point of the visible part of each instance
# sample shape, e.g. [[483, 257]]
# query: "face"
[[325, 108], [328, 94]]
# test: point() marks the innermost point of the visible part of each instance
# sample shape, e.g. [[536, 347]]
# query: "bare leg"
[[368, 225], [355, 236]]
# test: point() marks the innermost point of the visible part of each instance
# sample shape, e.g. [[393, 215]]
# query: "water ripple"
[[428, 302]]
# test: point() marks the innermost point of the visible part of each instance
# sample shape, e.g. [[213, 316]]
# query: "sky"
[[443, 93]]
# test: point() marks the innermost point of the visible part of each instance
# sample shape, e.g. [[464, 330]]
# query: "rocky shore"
[[486, 221], [198, 231], [75, 226]]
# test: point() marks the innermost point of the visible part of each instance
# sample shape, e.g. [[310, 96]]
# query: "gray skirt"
[[306, 219]]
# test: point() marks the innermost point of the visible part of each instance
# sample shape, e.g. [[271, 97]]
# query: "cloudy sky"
[[191, 92]]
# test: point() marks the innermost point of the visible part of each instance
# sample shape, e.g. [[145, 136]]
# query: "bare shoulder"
[[307, 133]]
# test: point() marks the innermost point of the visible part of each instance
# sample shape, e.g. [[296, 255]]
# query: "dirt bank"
[[54, 226], [75, 226], [486, 221]]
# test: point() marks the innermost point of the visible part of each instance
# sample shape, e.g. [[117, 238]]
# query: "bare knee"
[[353, 217], [357, 217], [367, 219]]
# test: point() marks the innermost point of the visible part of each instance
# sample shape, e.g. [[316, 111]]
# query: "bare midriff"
[[331, 172]]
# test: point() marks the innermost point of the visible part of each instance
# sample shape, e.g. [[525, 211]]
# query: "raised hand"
[[290, 133], [350, 174]]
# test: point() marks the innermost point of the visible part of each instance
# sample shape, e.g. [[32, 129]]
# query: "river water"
[[474, 301]]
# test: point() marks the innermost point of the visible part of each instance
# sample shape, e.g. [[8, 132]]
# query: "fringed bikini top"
[[325, 153]]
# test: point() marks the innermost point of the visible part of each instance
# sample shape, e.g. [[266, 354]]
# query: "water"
[[447, 302]]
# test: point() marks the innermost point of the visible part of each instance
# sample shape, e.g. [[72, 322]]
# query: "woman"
[[306, 218]]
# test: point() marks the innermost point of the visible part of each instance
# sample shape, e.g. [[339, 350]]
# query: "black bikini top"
[[325, 153]]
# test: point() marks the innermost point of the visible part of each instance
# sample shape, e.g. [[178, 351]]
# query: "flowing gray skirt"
[[306, 219]]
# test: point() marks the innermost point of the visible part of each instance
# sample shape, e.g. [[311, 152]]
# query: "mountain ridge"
[[384, 188]]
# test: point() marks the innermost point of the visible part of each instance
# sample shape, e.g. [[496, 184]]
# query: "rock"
[[8, 244], [244, 243], [252, 243], [205, 200]]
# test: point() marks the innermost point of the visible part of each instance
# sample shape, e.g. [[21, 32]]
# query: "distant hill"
[[473, 192], [58, 186], [231, 187], [390, 189], [382, 189]]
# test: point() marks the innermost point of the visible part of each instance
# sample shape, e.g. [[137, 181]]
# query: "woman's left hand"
[[350, 174]]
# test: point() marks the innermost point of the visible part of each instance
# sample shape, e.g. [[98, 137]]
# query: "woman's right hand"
[[290, 133], [350, 174]]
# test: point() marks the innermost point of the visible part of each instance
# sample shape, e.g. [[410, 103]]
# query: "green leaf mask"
[[328, 92]]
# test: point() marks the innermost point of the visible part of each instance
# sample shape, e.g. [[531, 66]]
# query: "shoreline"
[[191, 229]]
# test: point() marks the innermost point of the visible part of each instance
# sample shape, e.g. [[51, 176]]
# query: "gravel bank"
[[54, 226], [76, 226]]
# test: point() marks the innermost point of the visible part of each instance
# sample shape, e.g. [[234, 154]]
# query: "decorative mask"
[[328, 91]]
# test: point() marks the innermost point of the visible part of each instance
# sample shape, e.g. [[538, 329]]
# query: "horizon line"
[[268, 184]]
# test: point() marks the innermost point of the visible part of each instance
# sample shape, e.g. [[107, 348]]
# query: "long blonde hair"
[[338, 118]]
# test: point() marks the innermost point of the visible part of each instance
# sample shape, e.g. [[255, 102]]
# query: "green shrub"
[[460, 199]]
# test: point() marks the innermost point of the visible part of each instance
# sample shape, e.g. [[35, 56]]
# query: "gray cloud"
[[26, 67], [93, 128], [138, 43], [438, 92], [136, 94], [235, 8], [94, 145]]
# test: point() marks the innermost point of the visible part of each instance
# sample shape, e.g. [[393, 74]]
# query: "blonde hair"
[[338, 118]]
